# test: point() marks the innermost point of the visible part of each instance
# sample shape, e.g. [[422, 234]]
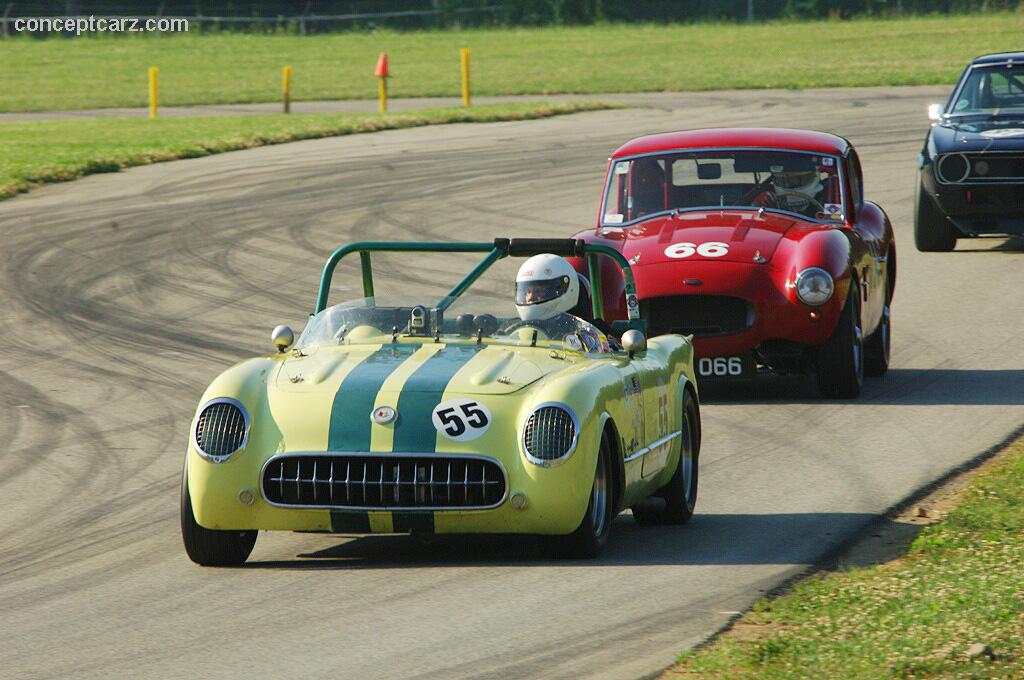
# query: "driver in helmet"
[[547, 285], [797, 190]]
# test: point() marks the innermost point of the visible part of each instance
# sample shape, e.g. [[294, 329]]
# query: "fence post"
[[286, 87], [153, 90], [465, 76], [750, 11]]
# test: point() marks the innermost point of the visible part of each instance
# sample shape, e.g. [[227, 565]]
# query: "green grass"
[[38, 152], [224, 68], [962, 582]]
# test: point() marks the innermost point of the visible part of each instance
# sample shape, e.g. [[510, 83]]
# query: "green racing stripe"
[[414, 430], [354, 400]]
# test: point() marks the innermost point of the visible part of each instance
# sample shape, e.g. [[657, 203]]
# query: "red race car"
[[758, 242]]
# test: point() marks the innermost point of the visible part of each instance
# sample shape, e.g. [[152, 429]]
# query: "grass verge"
[[960, 584], [105, 72], [39, 152]]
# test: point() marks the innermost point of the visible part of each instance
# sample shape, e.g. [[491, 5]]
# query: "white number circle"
[[461, 420], [709, 249]]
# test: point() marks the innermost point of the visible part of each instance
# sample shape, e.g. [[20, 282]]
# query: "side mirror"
[[633, 341], [935, 111], [282, 337]]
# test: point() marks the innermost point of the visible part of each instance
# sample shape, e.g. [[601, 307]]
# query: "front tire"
[[841, 359], [591, 535], [211, 547], [680, 494], [933, 233]]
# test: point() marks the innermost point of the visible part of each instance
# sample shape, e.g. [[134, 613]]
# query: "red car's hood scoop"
[[728, 236]]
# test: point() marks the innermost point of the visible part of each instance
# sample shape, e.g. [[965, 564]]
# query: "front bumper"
[[977, 209], [556, 499], [777, 317]]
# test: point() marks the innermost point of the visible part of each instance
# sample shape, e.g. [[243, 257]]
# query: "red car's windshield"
[[802, 183]]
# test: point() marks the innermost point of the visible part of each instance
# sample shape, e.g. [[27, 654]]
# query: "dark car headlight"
[[814, 286], [221, 430], [550, 434]]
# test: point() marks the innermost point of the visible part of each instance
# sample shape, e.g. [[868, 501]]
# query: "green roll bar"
[[499, 249]]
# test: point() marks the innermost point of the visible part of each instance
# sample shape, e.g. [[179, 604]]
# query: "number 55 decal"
[[709, 249], [462, 420]]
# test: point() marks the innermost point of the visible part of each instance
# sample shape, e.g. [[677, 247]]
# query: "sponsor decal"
[[461, 420], [613, 218], [828, 162], [832, 211], [632, 306]]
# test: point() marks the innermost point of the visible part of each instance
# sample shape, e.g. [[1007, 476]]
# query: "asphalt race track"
[[122, 295]]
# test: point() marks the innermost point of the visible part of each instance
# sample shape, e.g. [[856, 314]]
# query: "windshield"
[[991, 90], [381, 320], [802, 183]]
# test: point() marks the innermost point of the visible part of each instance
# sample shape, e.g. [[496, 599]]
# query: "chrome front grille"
[[550, 433], [383, 481]]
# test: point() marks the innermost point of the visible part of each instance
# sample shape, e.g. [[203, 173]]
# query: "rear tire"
[[680, 494], [212, 547], [841, 359], [933, 233], [591, 535]]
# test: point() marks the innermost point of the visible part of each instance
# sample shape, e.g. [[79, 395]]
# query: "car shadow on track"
[[898, 387], [713, 539], [1012, 245]]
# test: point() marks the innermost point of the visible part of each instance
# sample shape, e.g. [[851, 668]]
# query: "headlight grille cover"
[[550, 433], [220, 429]]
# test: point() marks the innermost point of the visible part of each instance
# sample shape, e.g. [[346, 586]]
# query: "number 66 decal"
[[462, 420], [709, 249]]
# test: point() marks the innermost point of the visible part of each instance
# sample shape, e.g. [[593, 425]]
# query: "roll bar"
[[499, 249]]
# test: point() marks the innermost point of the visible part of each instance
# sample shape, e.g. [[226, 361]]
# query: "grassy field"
[[39, 152], [960, 584], [223, 68]]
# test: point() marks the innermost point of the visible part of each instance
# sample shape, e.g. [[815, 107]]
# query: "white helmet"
[[796, 185], [546, 286]]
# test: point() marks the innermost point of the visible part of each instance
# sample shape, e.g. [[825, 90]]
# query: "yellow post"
[[153, 90], [465, 76], [383, 95], [286, 88]]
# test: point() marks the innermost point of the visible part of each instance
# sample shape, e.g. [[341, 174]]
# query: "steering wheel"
[[809, 199]]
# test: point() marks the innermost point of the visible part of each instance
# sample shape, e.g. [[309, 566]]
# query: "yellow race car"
[[430, 416]]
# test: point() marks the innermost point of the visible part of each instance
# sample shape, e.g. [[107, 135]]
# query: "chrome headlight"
[[551, 433], [221, 430], [814, 286]]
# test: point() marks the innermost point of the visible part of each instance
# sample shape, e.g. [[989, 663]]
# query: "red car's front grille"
[[701, 315]]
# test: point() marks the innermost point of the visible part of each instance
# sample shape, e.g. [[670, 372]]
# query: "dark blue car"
[[972, 163]]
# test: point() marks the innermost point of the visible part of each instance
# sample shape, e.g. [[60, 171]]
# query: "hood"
[[328, 396], [979, 135], [415, 367], [746, 237]]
